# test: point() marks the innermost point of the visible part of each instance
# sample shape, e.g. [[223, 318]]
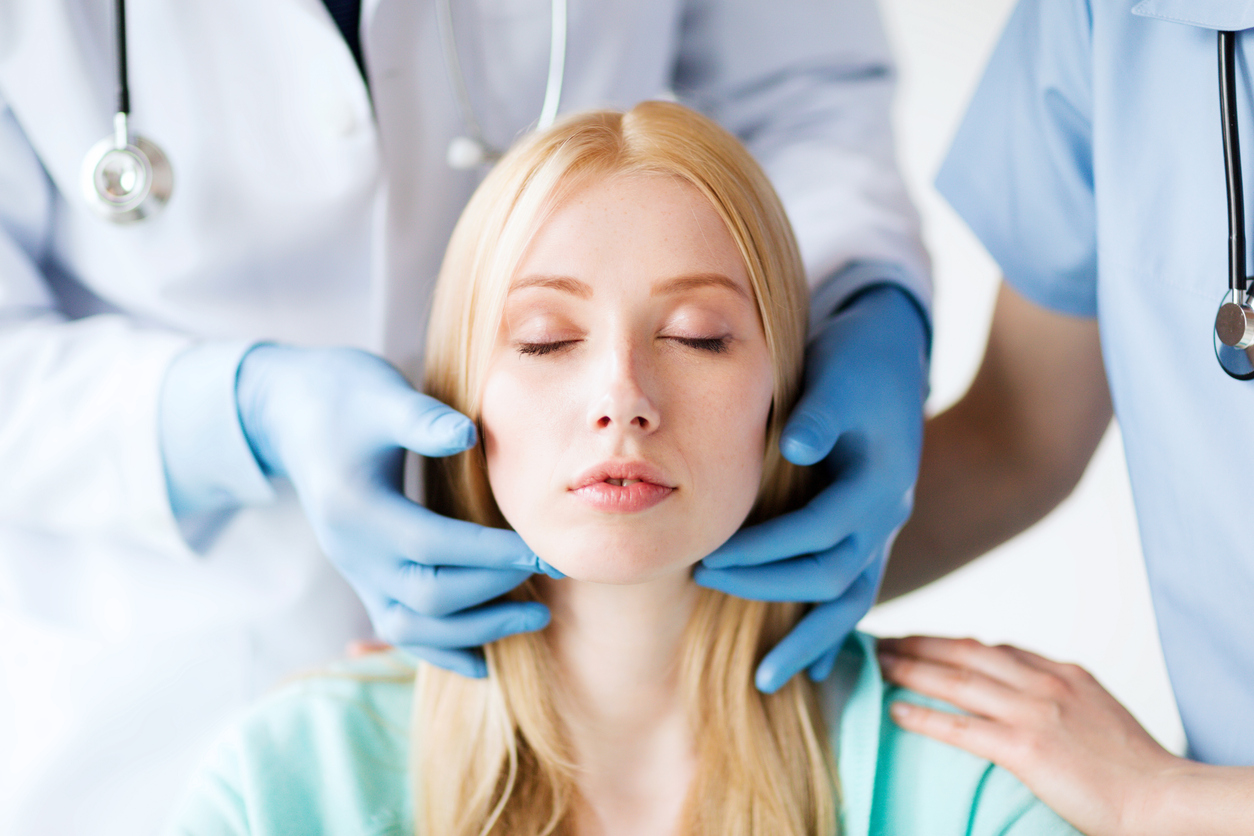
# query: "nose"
[[623, 400]]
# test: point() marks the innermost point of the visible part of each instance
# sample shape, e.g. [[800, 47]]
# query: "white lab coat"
[[303, 211]]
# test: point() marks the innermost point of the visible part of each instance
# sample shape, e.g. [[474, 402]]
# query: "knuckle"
[[954, 723], [1075, 673], [968, 647], [1045, 713], [1027, 746], [424, 595], [1055, 688]]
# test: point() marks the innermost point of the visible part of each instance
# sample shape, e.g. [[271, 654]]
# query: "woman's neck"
[[617, 649]]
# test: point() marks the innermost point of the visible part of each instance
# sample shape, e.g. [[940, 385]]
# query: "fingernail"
[[536, 618], [900, 710], [456, 429], [766, 683], [888, 661], [801, 446]]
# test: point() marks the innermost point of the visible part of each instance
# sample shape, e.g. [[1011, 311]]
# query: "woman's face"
[[625, 407]]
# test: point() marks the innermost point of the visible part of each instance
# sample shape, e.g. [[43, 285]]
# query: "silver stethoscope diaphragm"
[[125, 177]]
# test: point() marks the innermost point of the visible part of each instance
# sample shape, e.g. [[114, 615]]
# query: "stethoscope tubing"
[[1232, 161], [124, 84], [558, 14]]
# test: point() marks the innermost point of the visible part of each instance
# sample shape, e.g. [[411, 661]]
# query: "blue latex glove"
[[862, 415], [336, 422]]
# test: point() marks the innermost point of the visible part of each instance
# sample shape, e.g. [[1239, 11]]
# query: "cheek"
[[726, 428], [526, 419], [519, 421]]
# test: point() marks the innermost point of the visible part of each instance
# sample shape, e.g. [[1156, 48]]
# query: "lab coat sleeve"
[[808, 87], [79, 448], [1020, 170]]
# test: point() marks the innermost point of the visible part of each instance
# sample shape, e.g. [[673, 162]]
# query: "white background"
[[1073, 587]]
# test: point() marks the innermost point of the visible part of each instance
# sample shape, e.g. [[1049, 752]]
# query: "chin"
[[617, 562], [617, 573]]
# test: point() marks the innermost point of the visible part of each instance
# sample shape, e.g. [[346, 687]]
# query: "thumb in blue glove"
[[336, 422], [861, 417]]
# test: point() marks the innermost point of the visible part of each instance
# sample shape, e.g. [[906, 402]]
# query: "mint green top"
[[329, 754]]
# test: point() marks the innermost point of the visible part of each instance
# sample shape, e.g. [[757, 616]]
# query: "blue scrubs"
[[1091, 166]]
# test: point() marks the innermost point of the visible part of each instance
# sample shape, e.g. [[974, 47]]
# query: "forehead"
[[641, 227]]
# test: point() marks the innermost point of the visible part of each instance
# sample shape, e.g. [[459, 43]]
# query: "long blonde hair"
[[492, 756]]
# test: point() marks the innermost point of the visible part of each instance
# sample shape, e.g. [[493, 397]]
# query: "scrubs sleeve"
[[79, 448], [808, 86], [1020, 170]]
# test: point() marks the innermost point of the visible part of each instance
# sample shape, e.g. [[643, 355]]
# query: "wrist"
[[869, 282], [208, 463], [1180, 797], [253, 378]]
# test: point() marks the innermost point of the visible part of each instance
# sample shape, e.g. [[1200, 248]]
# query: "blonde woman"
[[622, 310]]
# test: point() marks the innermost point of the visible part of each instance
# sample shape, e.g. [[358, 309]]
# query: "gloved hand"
[[861, 414], [336, 422]]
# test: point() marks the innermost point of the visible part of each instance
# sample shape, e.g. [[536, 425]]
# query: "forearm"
[[974, 492], [1193, 797], [1011, 449]]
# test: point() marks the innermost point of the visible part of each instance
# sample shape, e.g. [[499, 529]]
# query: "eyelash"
[[714, 345], [538, 349]]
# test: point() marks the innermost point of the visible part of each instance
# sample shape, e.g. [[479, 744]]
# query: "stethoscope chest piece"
[[1234, 324], [128, 181], [1234, 336]]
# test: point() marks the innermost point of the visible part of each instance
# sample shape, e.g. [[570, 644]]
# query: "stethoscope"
[[466, 152], [125, 177], [1234, 324]]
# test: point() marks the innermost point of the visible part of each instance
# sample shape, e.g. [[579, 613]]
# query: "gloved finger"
[[470, 628], [430, 428], [468, 663], [823, 628], [837, 511], [813, 427], [425, 537], [821, 669], [813, 577], [437, 591]]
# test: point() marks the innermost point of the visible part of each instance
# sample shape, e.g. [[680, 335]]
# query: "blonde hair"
[[492, 755]]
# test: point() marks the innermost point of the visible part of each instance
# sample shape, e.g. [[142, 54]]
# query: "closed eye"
[[539, 349], [716, 345]]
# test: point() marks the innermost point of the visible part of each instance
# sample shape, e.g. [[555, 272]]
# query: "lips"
[[622, 487]]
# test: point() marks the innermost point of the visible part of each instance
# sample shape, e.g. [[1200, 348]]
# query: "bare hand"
[[1050, 724]]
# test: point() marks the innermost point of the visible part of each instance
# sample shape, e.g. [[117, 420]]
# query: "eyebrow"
[[680, 284], [667, 287], [562, 283]]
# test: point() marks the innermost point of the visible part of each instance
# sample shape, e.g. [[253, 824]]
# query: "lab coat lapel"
[[416, 118]]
